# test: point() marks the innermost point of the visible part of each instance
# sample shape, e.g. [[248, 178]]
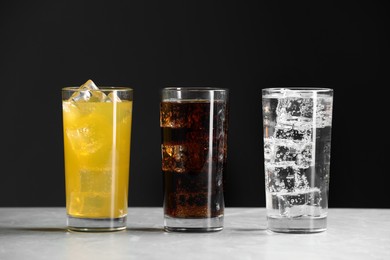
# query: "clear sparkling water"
[[297, 135]]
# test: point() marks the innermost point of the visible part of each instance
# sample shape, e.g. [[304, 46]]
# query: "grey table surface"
[[40, 233]]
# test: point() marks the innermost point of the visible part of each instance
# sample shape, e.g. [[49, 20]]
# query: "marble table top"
[[40, 233]]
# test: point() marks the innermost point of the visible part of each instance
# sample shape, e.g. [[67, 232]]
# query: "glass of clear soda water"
[[297, 125]]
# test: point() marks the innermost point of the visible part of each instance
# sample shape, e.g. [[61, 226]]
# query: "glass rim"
[[102, 88], [297, 89], [195, 89]]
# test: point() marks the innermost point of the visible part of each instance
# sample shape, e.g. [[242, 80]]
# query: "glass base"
[[297, 225], [96, 224], [193, 224]]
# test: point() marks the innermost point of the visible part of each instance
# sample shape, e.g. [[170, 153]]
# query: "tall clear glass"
[[297, 125], [97, 131], [194, 124]]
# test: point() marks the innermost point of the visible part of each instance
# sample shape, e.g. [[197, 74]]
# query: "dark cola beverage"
[[194, 149]]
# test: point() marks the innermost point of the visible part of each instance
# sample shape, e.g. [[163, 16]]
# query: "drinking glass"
[[97, 131], [194, 123], [297, 125]]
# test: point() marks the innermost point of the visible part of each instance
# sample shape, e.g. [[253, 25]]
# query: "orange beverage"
[[97, 158]]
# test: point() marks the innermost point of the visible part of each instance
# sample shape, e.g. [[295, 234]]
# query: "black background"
[[241, 45]]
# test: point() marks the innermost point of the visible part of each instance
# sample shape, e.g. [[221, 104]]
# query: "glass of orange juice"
[[97, 134]]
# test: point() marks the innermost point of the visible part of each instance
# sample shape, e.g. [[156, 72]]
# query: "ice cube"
[[174, 158], [84, 139], [184, 158], [304, 157], [90, 203], [88, 92], [296, 204], [305, 111], [280, 179], [294, 110], [89, 85], [285, 154], [286, 179], [92, 180], [288, 153], [81, 96], [173, 115], [288, 132], [303, 210], [300, 180]]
